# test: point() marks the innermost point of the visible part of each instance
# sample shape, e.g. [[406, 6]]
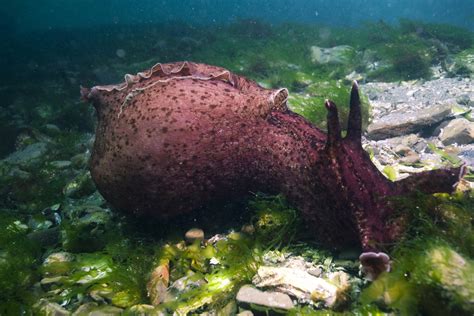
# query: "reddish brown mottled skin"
[[173, 138]]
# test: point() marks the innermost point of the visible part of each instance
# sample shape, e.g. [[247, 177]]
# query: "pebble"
[[406, 121], [194, 234], [297, 283], [44, 307], [250, 295], [458, 131], [463, 99], [60, 164]]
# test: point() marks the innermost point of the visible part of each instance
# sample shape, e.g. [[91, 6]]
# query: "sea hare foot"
[[175, 137]]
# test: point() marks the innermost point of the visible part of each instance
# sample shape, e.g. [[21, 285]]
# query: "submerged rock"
[[452, 273], [405, 122], [144, 310], [80, 186], [27, 155], [44, 307], [250, 295], [93, 309], [300, 284], [342, 54], [458, 131]]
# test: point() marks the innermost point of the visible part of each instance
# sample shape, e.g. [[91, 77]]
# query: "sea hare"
[[171, 139]]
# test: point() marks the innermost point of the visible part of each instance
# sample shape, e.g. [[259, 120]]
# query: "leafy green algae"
[[18, 267], [432, 265]]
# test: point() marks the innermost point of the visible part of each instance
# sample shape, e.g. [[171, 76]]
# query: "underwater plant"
[[432, 265], [18, 266]]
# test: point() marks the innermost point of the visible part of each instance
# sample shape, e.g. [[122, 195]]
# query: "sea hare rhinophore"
[[175, 137]]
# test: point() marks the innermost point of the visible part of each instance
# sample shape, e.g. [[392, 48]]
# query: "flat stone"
[[59, 257], [334, 55], [458, 131], [402, 122], [93, 309], [250, 295], [44, 307], [297, 283], [60, 164], [28, 154]]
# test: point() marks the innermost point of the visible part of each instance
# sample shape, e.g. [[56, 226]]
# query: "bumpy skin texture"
[[174, 138]]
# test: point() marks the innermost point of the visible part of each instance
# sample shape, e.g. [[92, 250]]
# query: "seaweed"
[[456, 37], [311, 105], [433, 261], [18, 273]]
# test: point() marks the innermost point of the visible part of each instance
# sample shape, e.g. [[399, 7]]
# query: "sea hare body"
[[173, 138]]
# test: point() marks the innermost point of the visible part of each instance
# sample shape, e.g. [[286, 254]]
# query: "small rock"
[[58, 257], [60, 164], [297, 283], [402, 122], [17, 173], [144, 310], [194, 234], [459, 131], [27, 155], [316, 271], [410, 140], [158, 284], [93, 309], [245, 313], [182, 285], [80, 186], [463, 99], [250, 295], [52, 128], [51, 280], [44, 307], [336, 55]]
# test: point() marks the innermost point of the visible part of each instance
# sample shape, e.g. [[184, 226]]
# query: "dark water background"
[[49, 14]]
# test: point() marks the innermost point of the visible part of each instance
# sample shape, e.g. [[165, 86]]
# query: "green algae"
[[432, 265], [311, 104], [274, 220], [18, 266], [231, 261]]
